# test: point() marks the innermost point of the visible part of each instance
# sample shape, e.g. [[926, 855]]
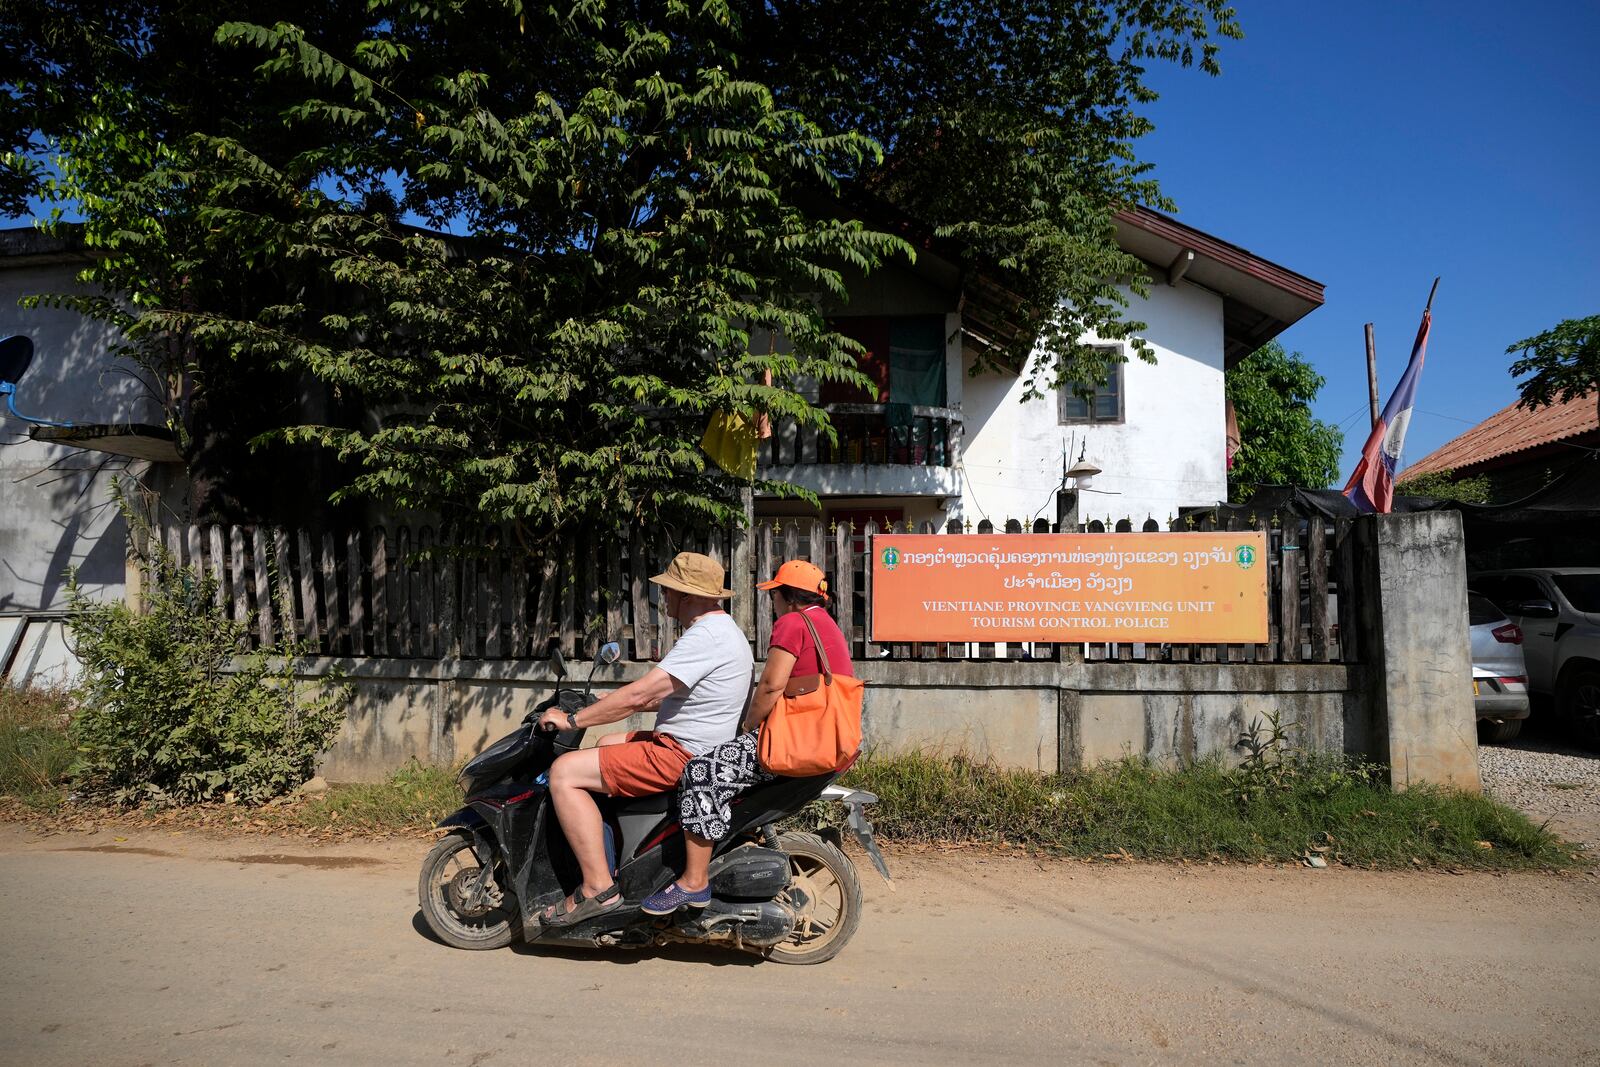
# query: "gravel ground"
[[1547, 778]]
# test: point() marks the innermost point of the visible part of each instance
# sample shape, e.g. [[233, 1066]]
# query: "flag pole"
[[1432, 291], [1372, 375]]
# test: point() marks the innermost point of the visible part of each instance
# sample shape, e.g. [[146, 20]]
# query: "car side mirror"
[[1536, 609]]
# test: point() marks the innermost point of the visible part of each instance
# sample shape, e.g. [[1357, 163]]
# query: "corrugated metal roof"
[[1512, 429]]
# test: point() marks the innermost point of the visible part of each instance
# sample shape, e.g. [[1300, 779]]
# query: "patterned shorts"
[[710, 782]]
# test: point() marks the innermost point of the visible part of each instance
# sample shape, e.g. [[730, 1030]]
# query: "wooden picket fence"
[[418, 593]]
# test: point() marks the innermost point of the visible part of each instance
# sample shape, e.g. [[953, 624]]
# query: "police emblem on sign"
[[891, 558], [1245, 556]]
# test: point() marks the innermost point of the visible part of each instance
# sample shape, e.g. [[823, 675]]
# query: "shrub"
[[1444, 485], [171, 712]]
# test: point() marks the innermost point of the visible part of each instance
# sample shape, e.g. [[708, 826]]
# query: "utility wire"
[[1452, 418]]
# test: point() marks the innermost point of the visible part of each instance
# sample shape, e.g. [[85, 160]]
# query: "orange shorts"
[[649, 762]]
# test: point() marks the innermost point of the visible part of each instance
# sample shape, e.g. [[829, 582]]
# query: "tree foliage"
[[1562, 364], [1281, 442], [524, 251], [1444, 485]]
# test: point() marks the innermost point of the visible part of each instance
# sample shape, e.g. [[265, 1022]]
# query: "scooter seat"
[[654, 804]]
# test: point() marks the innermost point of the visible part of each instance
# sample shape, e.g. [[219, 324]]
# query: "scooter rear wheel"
[[448, 875], [826, 896]]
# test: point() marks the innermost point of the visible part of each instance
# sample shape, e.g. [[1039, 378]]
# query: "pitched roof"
[[1509, 430], [1260, 298]]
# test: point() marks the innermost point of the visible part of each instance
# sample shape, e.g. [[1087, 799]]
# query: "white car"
[[1558, 609], [1499, 676]]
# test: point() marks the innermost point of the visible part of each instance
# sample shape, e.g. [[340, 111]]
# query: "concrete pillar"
[[1413, 615]]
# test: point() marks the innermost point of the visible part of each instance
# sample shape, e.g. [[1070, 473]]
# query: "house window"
[[1105, 405]]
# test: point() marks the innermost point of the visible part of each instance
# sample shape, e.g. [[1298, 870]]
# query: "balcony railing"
[[870, 434]]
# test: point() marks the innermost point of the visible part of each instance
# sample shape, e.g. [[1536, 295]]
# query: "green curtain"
[[916, 360]]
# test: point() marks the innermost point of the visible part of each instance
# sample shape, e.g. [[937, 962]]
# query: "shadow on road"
[[1543, 731], [673, 953]]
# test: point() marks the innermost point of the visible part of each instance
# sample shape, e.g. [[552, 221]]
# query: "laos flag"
[[1371, 486]]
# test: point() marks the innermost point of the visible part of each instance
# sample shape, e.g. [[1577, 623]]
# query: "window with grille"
[[1103, 404]]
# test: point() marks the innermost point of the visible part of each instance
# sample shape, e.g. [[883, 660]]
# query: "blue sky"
[[1377, 147]]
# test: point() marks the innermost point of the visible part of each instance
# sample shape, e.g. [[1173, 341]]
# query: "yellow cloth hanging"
[[731, 440]]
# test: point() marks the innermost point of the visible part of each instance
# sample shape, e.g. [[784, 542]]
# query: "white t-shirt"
[[712, 659]]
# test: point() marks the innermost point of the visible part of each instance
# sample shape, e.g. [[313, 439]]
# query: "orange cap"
[[798, 574]]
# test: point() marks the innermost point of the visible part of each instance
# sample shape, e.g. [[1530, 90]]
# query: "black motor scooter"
[[787, 896]]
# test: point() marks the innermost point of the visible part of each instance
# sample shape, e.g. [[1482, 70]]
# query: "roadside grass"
[[1316, 808], [413, 798], [35, 750], [1329, 808]]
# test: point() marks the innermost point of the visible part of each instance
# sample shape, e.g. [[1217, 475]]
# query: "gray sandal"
[[608, 899]]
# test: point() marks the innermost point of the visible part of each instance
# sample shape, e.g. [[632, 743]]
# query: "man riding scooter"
[[699, 691]]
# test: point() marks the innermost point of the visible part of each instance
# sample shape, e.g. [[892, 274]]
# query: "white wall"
[[1169, 451], [55, 510]]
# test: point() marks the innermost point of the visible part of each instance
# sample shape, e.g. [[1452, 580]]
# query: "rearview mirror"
[[558, 664], [1535, 609], [609, 653]]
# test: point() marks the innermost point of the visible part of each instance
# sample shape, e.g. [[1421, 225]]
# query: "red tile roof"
[[1512, 429]]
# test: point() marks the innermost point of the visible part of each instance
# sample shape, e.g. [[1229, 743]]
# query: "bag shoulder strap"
[[822, 653]]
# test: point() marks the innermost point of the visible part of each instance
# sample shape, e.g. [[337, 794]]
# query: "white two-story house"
[[941, 444]]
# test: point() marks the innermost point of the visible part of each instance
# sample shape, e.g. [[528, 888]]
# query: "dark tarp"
[[1559, 525], [1556, 526]]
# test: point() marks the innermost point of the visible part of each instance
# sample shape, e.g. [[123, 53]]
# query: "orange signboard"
[[1165, 587]]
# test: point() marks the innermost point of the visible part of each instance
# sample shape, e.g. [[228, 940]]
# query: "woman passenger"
[[710, 782]]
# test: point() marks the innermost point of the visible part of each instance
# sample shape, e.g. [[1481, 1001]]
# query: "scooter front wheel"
[[461, 912], [825, 895]]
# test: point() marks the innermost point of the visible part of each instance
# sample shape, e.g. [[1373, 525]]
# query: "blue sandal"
[[674, 897]]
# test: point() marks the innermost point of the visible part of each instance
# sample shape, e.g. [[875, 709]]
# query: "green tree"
[[1563, 364], [1281, 443], [1444, 485], [526, 251]]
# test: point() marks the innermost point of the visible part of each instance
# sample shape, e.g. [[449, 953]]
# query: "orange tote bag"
[[816, 726]]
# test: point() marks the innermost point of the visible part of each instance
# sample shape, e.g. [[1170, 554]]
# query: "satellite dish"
[[16, 353]]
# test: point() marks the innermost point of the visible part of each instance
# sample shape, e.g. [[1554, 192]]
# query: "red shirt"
[[790, 633]]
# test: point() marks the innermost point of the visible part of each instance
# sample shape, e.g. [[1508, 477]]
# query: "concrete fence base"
[[1042, 716]]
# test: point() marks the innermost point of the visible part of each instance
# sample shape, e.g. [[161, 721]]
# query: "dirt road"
[[184, 949]]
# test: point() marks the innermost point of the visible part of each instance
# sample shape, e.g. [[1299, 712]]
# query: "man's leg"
[[622, 738], [571, 779]]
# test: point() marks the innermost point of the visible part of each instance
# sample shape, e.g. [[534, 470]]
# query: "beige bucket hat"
[[695, 574]]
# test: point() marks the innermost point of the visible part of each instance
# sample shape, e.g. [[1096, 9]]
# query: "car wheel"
[[1580, 705], [1498, 733]]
